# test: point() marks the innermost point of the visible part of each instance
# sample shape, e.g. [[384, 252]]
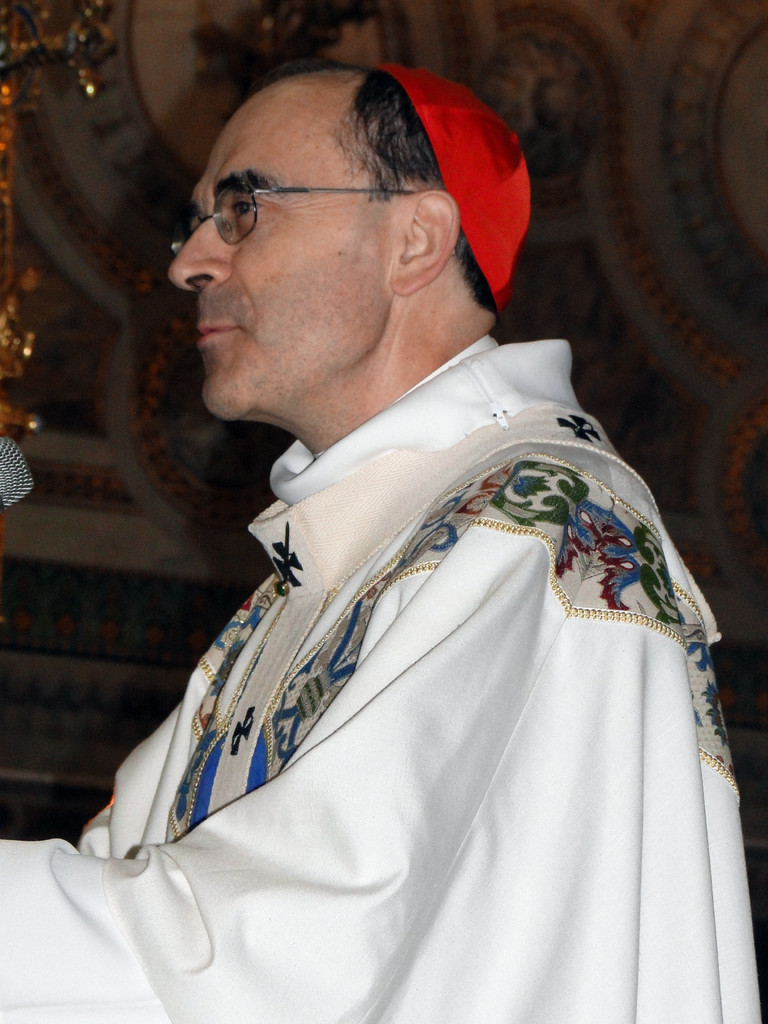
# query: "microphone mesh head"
[[15, 477]]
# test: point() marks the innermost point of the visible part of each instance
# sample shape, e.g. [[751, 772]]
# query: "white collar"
[[482, 384]]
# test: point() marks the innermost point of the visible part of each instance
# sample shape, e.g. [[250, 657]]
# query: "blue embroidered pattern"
[[713, 736], [194, 792]]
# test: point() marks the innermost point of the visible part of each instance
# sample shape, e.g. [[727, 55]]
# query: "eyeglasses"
[[235, 209]]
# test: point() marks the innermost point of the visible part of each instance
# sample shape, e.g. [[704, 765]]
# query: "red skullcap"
[[483, 168]]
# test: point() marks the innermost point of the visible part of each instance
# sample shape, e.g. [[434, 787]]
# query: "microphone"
[[15, 477]]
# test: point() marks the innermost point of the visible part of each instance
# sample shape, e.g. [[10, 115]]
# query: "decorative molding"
[[562, 29], [80, 486], [456, 17], [548, 78], [716, 69], [115, 262], [187, 70], [705, 349], [71, 611], [636, 15], [745, 481]]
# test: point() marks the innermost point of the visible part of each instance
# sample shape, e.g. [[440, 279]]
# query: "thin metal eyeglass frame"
[[181, 235]]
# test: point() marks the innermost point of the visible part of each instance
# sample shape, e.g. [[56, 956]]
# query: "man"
[[461, 758]]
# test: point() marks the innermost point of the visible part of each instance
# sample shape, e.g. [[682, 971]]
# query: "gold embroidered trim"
[[222, 725], [689, 599], [719, 767], [361, 591], [207, 670], [571, 609], [205, 666], [223, 721], [413, 570], [177, 833], [197, 729]]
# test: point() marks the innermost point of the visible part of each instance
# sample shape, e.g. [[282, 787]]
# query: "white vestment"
[[499, 788]]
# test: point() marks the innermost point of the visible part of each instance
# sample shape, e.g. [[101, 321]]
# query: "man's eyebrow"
[[237, 179]]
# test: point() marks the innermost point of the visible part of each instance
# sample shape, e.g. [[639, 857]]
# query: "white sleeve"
[[63, 960]]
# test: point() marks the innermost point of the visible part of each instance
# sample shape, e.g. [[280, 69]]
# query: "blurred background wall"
[[645, 124]]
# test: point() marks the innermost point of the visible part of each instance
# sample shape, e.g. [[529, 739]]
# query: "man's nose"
[[204, 258]]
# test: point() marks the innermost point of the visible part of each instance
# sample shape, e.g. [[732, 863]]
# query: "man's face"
[[292, 317]]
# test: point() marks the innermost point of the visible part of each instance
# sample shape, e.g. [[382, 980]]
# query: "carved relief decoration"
[[715, 129], [218, 51], [43, 164], [560, 47], [549, 81], [636, 15]]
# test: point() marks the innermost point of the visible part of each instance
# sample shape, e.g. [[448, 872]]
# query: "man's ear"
[[429, 232]]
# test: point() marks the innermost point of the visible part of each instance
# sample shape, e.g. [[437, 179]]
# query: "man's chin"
[[227, 408], [219, 405]]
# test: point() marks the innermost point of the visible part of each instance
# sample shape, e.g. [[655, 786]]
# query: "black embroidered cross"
[[287, 560], [581, 428], [242, 731]]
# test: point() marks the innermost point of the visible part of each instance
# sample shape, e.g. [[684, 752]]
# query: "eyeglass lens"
[[234, 214]]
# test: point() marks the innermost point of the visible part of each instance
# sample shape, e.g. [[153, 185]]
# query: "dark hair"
[[387, 138]]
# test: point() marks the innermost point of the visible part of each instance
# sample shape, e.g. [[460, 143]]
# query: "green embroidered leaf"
[[310, 698]]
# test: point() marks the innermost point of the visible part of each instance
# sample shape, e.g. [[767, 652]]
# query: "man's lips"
[[212, 328], [211, 331]]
